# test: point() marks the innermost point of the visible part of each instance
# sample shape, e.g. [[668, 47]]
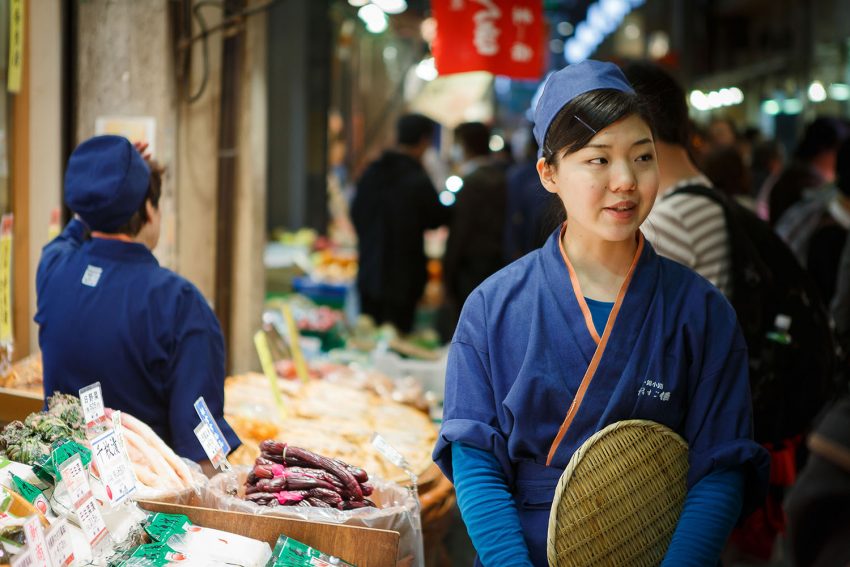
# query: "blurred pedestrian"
[[527, 202], [474, 247], [811, 166], [394, 204]]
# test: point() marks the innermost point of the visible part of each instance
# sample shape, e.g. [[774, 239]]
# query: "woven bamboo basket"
[[619, 498]]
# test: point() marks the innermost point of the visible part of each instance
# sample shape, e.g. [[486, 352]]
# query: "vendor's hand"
[[142, 147]]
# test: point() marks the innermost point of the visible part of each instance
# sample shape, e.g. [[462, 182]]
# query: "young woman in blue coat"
[[591, 329]]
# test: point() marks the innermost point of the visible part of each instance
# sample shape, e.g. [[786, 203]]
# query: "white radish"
[[154, 459], [155, 442]]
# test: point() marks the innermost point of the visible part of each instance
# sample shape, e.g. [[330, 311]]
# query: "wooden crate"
[[363, 547]]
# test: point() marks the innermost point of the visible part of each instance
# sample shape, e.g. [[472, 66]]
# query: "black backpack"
[[790, 383]]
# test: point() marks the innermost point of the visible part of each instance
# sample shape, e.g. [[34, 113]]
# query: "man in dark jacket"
[[395, 203], [474, 249]]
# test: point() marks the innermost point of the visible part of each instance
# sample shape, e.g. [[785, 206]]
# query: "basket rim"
[[576, 459]]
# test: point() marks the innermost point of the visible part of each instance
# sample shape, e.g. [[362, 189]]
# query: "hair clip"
[[586, 125]]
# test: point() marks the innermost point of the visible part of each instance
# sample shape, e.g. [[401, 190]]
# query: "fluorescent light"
[[391, 6], [497, 143], [374, 18], [792, 106], [770, 107], [447, 198], [576, 51], [358, 3], [427, 70], [714, 99], [699, 101], [588, 35], [616, 8], [737, 95], [839, 91], [565, 28], [632, 31], [816, 92], [454, 183]]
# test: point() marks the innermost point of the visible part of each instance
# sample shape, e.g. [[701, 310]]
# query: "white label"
[[75, 477], [24, 559], [34, 534], [91, 521], [116, 473], [92, 276], [210, 444], [91, 399], [392, 455], [59, 544]]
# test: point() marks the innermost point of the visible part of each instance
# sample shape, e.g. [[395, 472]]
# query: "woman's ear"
[[547, 175]]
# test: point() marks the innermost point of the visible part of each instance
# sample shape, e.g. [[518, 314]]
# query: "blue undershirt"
[[488, 509], [599, 312]]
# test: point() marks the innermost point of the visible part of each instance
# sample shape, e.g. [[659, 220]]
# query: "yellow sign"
[[6, 279], [297, 356], [261, 342], [16, 45]]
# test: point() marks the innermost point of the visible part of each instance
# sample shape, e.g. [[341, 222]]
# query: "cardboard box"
[[363, 547]]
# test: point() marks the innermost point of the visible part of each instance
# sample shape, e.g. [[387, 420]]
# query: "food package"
[[397, 509], [177, 541], [290, 552]]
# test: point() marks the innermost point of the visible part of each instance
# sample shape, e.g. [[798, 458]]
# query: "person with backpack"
[[816, 228], [592, 329], [782, 316]]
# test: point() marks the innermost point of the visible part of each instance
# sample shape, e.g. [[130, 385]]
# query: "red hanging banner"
[[504, 37]]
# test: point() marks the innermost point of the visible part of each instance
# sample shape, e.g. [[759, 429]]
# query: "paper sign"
[[116, 472], [261, 342], [24, 558], [59, 544], [34, 534], [91, 398], [6, 279], [134, 128], [210, 444], [206, 418], [75, 477], [16, 46], [297, 356]]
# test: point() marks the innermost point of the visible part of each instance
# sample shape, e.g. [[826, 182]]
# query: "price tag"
[[392, 455], [24, 559], [59, 544], [116, 472], [91, 399], [34, 534], [75, 477], [261, 342], [206, 416], [210, 444]]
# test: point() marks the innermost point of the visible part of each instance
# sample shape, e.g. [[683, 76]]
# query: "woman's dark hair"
[[140, 217], [587, 114]]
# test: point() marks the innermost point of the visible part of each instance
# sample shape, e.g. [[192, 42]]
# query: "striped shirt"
[[691, 230]]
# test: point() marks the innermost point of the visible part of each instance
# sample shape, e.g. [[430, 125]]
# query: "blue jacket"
[[108, 312]]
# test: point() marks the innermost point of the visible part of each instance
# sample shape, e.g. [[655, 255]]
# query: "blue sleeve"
[[711, 510], [719, 423], [487, 508], [470, 413], [196, 369]]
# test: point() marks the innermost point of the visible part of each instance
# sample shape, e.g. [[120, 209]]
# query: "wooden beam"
[[20, 160]]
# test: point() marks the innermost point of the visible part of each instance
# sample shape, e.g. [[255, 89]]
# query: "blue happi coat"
[[529, 378]]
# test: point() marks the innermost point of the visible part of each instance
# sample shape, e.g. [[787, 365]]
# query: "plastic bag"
[[186, 497], [398, 511]]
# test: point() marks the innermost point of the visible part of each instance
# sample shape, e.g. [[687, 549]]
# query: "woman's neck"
[[600, 265]]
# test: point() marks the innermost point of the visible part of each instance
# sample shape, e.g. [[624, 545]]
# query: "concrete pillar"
[[45, 140], [250, 235], [125, 68]]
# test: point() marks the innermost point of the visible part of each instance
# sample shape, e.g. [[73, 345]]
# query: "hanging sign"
[[6, 279], [504, 37], [16, 46]]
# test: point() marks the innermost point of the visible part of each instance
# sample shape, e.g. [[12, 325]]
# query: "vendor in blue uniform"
[[592, 329], [108, 312]]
